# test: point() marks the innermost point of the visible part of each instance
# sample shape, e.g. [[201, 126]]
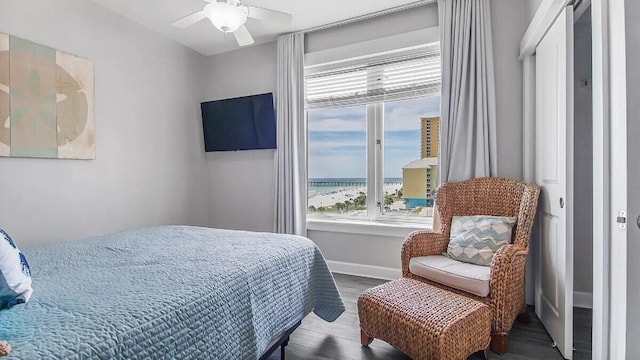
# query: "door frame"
[[610, 82], [609, 172]]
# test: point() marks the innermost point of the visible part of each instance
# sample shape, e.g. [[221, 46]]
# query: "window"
[[337, 145], [373, 136]]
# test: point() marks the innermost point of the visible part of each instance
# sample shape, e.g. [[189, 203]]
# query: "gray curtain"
[[468, 105], [291, 172]]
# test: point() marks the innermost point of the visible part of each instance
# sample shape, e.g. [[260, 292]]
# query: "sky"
[[337, 138]]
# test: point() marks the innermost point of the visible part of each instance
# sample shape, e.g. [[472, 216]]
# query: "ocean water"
[[318, 186]]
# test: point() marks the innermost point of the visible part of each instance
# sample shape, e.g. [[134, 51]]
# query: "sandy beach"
[[336, 196]]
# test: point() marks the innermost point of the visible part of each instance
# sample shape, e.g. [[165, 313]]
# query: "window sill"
[[368, 227]]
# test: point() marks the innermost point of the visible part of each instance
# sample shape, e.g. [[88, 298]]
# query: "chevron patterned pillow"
[[475, 239]]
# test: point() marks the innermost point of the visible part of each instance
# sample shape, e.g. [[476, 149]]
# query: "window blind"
[[373, 80]]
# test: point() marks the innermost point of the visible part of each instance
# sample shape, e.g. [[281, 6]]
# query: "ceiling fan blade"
[[189, 19], [243, 37], [268, 15]]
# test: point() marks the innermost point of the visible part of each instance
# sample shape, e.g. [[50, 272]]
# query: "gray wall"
[[155, 171], [531, 7], [508, 22], [249, 176], [150, 164], [241, 183], [374, 28], [583, 163], [632, 8]]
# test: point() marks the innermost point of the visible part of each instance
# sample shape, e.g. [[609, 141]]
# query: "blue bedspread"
[[172, 292]]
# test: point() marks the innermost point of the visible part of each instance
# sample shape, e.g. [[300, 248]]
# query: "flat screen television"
[[242, 123]]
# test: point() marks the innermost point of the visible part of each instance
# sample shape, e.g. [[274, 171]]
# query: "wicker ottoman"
[[423, 321]]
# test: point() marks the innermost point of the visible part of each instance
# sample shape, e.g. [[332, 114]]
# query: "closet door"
[[554, 173]]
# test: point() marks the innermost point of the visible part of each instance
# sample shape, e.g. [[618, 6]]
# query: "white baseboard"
[[583, 299], [370, 271]]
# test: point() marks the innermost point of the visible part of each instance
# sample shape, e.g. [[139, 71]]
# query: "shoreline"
[[330, 198]]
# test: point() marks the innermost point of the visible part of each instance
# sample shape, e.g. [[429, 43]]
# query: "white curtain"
[[291, 172], [468, 103]]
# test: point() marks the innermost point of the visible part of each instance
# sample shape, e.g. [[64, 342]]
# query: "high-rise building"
[[419, 177], [429, 136]]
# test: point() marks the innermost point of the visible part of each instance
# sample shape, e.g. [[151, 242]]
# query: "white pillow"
[[15, 274], [475, 239]]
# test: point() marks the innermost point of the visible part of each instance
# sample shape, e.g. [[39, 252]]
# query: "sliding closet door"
[[629, 152], [554, 173]]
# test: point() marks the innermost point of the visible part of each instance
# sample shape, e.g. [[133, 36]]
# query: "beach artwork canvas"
[[46, 102]]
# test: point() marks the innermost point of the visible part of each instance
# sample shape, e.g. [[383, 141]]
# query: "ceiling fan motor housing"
[[227, 16]]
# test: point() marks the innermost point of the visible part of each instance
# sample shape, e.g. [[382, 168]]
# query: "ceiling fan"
[[229, 16]]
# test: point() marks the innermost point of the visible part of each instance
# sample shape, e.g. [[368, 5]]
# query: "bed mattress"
[[172, 292]]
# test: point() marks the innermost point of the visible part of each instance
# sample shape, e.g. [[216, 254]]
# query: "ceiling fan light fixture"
[[226, 17]]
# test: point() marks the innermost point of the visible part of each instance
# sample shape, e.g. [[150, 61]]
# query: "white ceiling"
[[202, 37]]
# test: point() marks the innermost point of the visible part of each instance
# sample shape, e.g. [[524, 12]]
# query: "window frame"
[[376, 222]]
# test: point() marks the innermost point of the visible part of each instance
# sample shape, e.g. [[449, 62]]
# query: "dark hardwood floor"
[[317, 339]]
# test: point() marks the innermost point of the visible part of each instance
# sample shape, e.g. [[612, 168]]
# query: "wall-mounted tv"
[[243, 123]]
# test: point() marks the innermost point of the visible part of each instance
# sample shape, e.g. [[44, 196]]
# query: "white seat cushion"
[[467, 277]]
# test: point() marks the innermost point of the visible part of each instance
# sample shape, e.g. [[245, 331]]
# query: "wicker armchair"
[[485, 196]]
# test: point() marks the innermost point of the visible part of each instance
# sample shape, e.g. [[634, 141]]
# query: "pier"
[[346, 182]]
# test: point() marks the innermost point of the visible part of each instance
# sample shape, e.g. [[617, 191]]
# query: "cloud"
[[337, 135], [346, 165], [399, 116], [333, 124], [411, 137], [337, 138], [336, 151], [339, 112], [408, 141], [338, 119], [405, 114]]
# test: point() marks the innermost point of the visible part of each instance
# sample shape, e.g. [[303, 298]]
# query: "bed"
[[172, 292]]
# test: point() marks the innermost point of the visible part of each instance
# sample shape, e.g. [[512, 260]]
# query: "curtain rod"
[[367, 16]]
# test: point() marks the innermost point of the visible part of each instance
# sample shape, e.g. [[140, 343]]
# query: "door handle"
[[561, 203]]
